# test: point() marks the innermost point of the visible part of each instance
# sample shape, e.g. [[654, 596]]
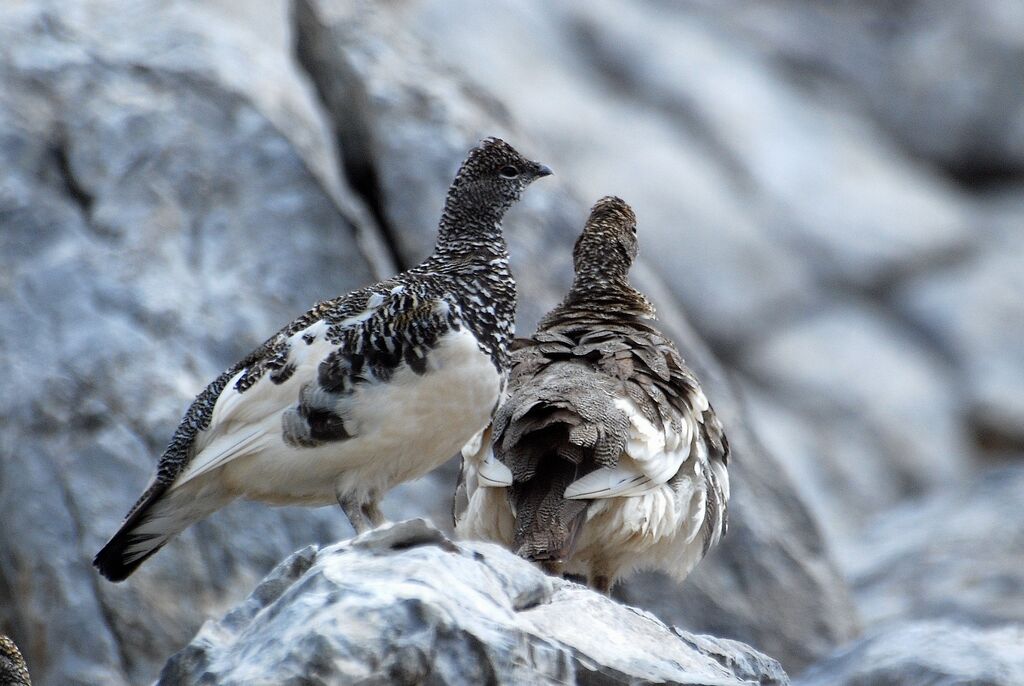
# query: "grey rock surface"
[[904, 62], [886, 413], [404, 605], [696, 225], [748, 188], [955, 555], [144, 198], [974, 311], [823, 182], [926, 654]]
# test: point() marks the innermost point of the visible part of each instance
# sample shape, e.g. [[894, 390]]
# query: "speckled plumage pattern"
[[615, 460], [306, 417], [13, 671]]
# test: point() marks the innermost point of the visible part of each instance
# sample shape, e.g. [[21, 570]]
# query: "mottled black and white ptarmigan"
[[13, 671], [607, 457], [359, 394]]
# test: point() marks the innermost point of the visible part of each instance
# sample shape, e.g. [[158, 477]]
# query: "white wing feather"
[[652, 457], [243, 423], [490, 471]]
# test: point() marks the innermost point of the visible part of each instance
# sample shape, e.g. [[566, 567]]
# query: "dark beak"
[[542, 170]]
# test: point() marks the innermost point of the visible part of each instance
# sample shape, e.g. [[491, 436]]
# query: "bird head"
[[492, 178], [608, 244]]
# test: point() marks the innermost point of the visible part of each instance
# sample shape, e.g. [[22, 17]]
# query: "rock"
[[794, 576], [926, 654], [832, 460], [865, 390], [897, 60], [974, 311], [955, 555], [403, 605], [160, 218]]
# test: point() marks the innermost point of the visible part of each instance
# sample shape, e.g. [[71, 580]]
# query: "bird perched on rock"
[[360, 393], [607, 457], [13, 671]]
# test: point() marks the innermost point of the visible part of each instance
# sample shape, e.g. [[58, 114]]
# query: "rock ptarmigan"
[[13, 671], [359, 394], [607, 457]]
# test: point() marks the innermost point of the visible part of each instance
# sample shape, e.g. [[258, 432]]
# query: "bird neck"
[[606, 294], [464, 235]]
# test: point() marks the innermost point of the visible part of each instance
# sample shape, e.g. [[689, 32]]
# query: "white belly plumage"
[[400, 429]]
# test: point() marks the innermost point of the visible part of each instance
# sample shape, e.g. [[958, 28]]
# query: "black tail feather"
[[111, 560]]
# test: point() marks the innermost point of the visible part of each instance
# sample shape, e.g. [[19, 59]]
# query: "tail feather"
[[137, 539], [547, 525]]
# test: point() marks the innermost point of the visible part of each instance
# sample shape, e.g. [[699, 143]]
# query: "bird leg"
[[552, 567], [602, 583], [372, 511], [354, 510]]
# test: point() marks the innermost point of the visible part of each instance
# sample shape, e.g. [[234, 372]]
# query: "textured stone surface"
[[403, 605], [975, 313], [145, 200], [823, 182], [944, 78], [885, 412], [748, 186], [956, 555], [926, 654]]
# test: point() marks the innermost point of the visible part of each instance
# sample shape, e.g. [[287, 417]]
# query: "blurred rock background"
[[831, 206]]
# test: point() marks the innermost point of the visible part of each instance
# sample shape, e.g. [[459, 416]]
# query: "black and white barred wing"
[[291, 393]]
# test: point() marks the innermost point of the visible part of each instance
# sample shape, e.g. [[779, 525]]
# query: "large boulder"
[[696, 226], [974, 311], [943, 78], [886, 414], [164, 209], [956, 555], [404, 605], [755, 197], [926, 654]]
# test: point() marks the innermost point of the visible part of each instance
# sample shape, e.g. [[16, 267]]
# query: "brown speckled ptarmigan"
[[13, 671], [607, 457], [359, 394]]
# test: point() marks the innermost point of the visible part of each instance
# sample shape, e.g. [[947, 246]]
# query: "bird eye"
[[509, 172]]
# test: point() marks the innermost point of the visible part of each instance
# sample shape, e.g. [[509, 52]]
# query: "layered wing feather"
[[594, 413]]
